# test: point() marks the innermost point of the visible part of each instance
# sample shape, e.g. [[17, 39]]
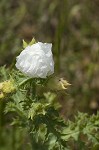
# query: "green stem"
[[24, 81], [13, 137], [33, 94], [33, 87], [81, 145], [32, 139]]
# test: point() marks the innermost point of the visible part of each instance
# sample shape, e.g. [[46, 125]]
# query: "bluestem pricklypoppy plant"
[[38, 112]]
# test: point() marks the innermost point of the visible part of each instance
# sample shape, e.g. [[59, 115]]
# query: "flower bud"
[[64, 84], [8, 86], [57, 83]]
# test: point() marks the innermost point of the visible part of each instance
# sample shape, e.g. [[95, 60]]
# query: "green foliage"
[[73, 27], [83, 129], [38, 115]]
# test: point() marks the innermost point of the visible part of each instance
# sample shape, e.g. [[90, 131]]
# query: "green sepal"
[[24, 44], [33, 41]]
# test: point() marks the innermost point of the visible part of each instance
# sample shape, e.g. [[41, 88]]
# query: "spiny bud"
[[8, 86], [1, 93]]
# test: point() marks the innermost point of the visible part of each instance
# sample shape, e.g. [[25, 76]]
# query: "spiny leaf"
[[10, 107]]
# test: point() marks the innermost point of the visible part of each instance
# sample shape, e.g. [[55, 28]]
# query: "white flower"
[[36, 60]]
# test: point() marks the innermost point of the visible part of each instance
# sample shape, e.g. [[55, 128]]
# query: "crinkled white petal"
[[36, 60]]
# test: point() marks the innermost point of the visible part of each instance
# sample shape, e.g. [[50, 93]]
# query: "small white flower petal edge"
[[36, 60]]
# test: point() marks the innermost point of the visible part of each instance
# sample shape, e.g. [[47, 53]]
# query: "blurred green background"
[[73, 28]]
